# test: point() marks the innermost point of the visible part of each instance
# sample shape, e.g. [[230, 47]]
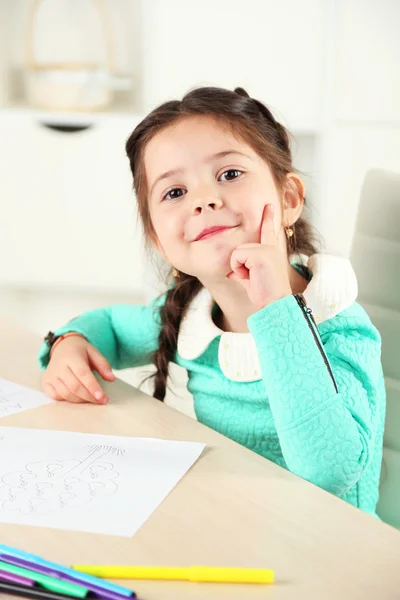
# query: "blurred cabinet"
[[68, 210], [274, 49]]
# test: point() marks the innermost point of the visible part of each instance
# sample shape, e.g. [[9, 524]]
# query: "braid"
[[171, 313]]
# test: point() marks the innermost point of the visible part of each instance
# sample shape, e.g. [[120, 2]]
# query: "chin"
[[216, 261], [215, 272]]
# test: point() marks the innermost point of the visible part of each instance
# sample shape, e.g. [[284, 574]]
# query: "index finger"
[[267, 230], [89, 381]]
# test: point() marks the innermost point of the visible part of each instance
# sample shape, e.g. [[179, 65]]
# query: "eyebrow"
[[173, 172]]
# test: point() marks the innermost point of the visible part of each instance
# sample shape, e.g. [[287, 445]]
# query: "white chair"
[[375, 256]]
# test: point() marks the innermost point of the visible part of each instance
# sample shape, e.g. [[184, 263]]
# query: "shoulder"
[[333, 286], [352, 323], [126, 316]]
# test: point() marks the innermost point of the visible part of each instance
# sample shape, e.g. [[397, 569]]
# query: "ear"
[[293, 199]]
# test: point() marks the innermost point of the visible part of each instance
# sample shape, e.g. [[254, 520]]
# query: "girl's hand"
[[262, 269], [69, 373]]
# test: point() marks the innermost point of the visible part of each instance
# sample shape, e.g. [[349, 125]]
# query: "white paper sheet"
[[87, 482], [16, 398]]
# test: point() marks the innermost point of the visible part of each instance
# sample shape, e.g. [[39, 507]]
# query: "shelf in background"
[[73, 118]]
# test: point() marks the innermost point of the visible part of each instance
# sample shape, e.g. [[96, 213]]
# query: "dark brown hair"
[[252, 122]]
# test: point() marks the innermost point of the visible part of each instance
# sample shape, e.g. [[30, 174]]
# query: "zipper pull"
[[302, 302]]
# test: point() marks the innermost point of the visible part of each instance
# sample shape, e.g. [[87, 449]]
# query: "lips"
[[209, 231]]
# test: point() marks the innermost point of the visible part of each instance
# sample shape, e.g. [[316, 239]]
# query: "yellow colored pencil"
[[198, 574]]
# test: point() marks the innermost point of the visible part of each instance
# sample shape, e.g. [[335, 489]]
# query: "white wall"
[[271, 48], [362, 115], [350, 150]]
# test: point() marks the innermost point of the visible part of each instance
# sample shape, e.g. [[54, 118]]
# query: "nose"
[[206, 203]]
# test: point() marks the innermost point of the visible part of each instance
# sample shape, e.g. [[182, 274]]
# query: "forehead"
[[189, 141]]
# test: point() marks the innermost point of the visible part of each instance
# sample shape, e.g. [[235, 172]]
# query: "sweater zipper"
[[307, 312]]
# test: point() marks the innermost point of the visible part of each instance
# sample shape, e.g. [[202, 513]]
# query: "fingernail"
[[98, 395], [104, 400], [109, 374]]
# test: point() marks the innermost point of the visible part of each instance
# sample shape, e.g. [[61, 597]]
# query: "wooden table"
[[232, 508]]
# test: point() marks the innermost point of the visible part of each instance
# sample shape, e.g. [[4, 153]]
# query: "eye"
[[174, 194], [230, 175]]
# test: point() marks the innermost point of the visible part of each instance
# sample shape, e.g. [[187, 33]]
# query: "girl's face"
[[207, 191]]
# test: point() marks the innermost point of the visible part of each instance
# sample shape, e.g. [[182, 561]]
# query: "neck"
[[235, 306]]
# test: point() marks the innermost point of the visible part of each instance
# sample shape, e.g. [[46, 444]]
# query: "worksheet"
[[87, 482], [16, 398]]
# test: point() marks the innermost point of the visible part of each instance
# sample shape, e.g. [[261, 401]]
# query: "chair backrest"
[[375, 256]]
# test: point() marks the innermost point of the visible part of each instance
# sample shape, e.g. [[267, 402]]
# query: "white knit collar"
[[333, 288]]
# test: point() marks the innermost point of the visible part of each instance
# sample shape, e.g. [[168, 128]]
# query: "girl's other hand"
[[69, 373]]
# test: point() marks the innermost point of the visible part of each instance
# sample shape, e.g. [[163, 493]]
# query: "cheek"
[[252, 216], [168, 232]]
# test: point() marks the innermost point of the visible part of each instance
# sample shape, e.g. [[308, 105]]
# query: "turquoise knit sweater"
[[318, 409]]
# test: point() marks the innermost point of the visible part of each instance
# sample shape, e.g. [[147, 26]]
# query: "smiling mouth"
[[210, 232]]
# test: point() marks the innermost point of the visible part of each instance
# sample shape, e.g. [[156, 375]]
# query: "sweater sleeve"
[[126, 335], [326, 398]]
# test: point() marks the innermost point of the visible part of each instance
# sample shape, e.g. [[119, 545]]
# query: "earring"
[[175, 273], [289, 232]]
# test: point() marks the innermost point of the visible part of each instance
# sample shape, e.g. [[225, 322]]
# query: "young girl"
[[280, 358]]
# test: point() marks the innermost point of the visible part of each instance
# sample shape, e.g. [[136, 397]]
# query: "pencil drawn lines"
[[8, 402], [51, 485]]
